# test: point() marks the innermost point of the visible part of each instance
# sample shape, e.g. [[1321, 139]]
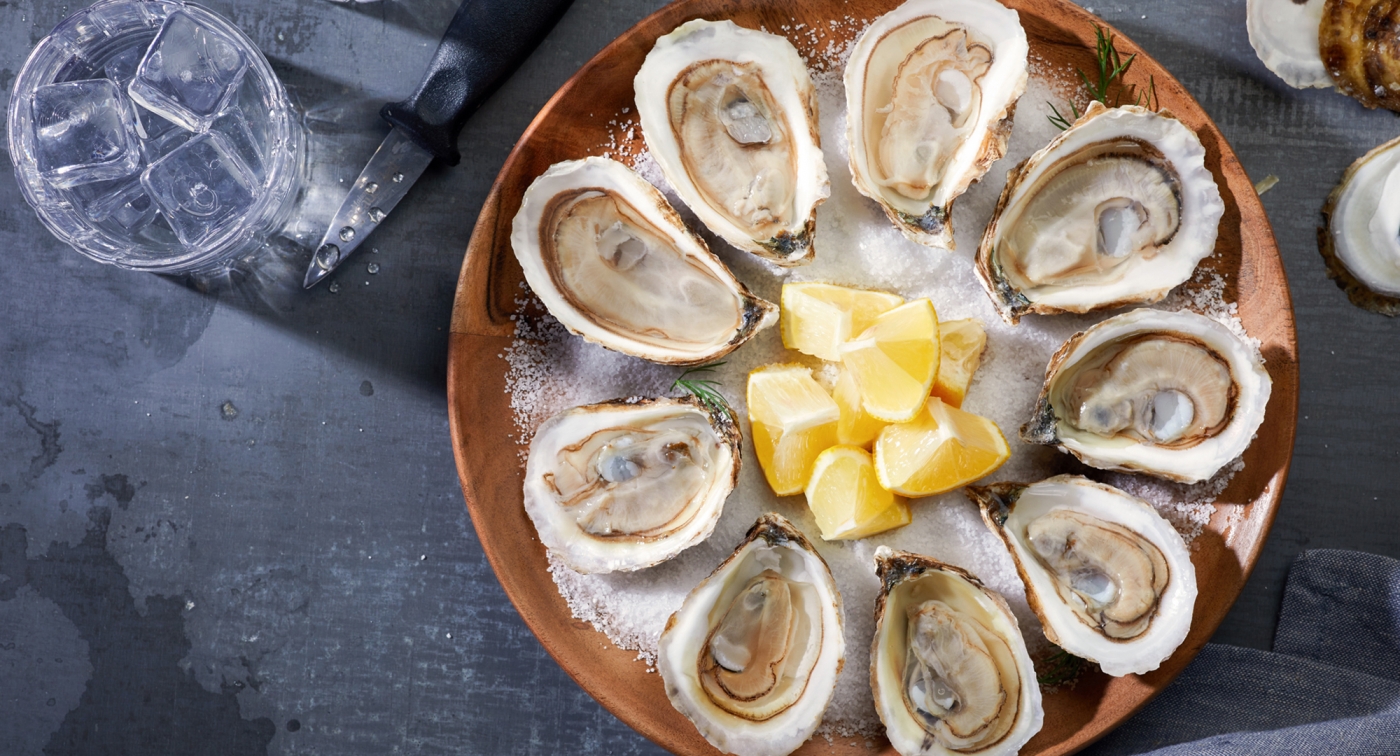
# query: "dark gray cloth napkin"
[[1331, 685]]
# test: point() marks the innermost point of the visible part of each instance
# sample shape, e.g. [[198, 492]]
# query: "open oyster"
[[948, 667], [1110, 579], [1284, 34], [1117, 209], [1359, 41], [731, 117], [614, 263], [930, 90], [752, 655], [1174, 394], [1361, 237], [625, 485]]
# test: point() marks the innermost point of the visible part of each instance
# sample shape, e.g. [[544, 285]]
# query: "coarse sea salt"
[[549, 370]]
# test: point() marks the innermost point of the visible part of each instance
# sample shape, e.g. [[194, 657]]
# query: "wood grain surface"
[[575, 123]]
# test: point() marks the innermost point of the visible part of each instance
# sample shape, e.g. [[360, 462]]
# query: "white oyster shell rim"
[[1284, 34], [788, 81], [771, 539], [560, 532], [963, 592], [1009, 74], [1191, 464], [1363, 219], [1139, 279], [1172, 623]]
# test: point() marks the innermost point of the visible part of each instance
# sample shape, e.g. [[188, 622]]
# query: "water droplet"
[[281, 36], [376, 215], [328, 256], [398, 178], [374, 250], [371, 188], [228, 411], [372, 268], [335, 288], [293, 725], [347, 233]]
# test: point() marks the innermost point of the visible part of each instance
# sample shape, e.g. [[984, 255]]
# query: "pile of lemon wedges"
[[890, 427]]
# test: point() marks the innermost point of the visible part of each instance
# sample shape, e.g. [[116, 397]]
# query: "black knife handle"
[[486, 42]]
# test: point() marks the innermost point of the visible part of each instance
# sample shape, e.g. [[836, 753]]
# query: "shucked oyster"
[[1284, 34], [1174, 394], [948, 667], [628, 484], [615, 264], [930, 89], [1110, 579], [1118, 209], [752, 655], [1361, 240], [731, 117]]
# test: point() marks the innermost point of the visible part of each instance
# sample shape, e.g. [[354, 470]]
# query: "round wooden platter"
[[581, 119]]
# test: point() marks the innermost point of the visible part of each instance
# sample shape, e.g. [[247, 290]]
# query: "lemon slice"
[[942, 449], [793, 420], [856, 427], [895, 361], [846, 498], [961, 344], [818, 318]]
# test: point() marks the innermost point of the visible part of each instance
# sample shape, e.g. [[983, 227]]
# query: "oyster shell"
[[1284, 34], [614, 263], [1359, 41], [623, 485], [1110, 579], [1360, 239], [1174, 394], [753, 654], [930, 90], [730, 115], [1118, 209], [948, 666]]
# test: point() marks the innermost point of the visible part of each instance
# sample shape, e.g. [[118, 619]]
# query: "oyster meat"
[[1174, 394], [948, 667], [930, 90], [624, 485], [1361, 237], [753, 653], [730, 115], [1118, 209], [1110, 579], [1284, 34], [614, 263]]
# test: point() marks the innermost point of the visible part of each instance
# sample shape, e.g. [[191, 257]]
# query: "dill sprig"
[[1111, 69], [1059, 668], [704, 389]]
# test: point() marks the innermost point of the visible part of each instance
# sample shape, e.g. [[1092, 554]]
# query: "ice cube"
[[190, 73], [201, 187], [159, 147], [84, 131], [123, 201], [121, 69], [234, 125]]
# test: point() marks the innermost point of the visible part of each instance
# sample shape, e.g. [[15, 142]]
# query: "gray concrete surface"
[[230, 523]]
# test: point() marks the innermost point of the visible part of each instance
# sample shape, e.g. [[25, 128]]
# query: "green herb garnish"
[[1109, 81], [704, 389], [1059, 668]]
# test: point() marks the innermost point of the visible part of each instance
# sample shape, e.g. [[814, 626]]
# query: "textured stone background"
[[230, 523]]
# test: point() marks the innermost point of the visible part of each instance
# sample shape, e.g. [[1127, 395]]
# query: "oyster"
[[1118, 209], [731, 117], [1359, 41], [1284, 34], [1361, 237], [614, 263], [1110, 579], [930, 90], [625, 485], [948, 667], [1174, 394], [752, 655]]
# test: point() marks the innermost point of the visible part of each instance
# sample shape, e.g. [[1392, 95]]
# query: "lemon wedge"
[[961, 344], [793, 420], [856, 427], [895, 361], [941, 449], [846, 498], [818, 318]]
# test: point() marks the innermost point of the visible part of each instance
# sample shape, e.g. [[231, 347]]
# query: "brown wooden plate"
[[575, 123]]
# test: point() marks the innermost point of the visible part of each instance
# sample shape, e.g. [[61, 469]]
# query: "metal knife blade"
[[385, 180]]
